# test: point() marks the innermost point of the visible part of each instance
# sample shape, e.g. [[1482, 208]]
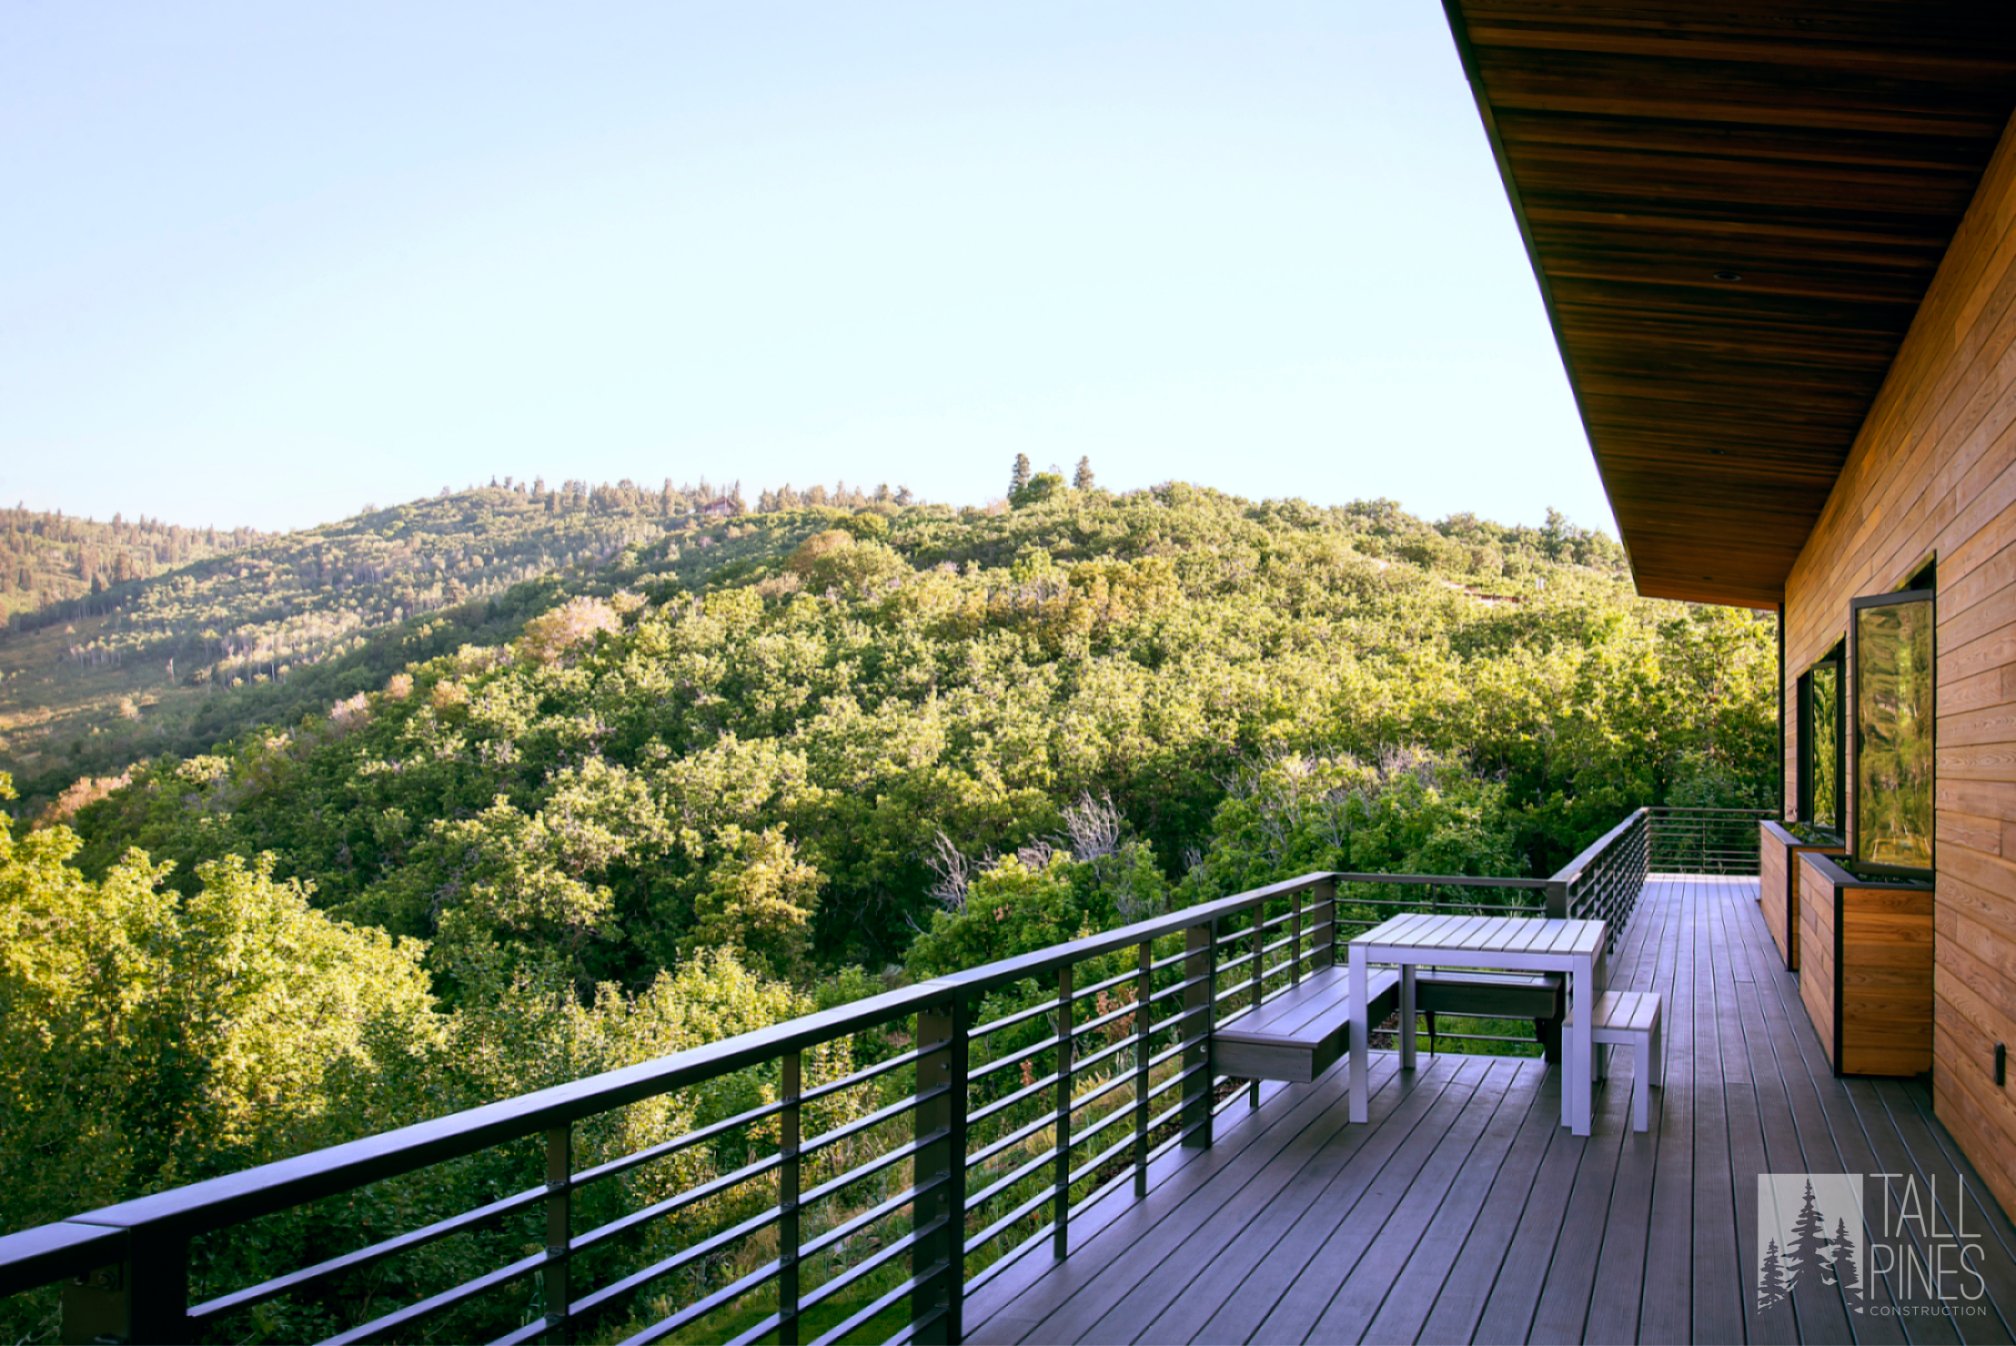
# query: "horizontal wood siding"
[[1933, 474], [1774, 883], [1816, 971], [1886, 978]]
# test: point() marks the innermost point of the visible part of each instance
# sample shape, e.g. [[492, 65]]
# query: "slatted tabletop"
[[1495, 934]]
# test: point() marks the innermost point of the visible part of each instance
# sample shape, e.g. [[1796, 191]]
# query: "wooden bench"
[[1305, 1029], [1631, 1019], [1494, 995], [1301, 1032]]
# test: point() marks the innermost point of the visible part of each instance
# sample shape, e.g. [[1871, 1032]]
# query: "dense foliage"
[[53, 567], [128, 640], [702, 787]]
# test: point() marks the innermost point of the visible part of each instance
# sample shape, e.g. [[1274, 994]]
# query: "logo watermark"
[[1842, 1232]]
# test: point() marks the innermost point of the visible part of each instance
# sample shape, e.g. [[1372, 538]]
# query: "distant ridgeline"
[[56, 568]]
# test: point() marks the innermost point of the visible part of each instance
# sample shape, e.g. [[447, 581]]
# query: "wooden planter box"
[[1866, 974], [1778, 853]]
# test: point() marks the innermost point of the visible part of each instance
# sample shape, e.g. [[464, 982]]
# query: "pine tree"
[[1771, 1286], [1018, 480], [1843, 1272], [1081, 480], [1807, 1252]]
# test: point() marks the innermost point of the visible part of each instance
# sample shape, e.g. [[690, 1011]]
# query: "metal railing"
[[1704, 841], [879, 1159]]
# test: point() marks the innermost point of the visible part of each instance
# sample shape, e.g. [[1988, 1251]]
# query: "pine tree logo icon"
[[1810, 1235]]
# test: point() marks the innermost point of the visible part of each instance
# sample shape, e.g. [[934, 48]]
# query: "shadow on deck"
[[1464, 1212]]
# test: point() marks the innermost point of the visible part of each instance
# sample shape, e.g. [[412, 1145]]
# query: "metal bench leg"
[[1641, 1087], [1407, 1004], [1548, 1033]]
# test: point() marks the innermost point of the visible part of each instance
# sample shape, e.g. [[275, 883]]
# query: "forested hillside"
[[54, 567], [721, 772], [129, 640]]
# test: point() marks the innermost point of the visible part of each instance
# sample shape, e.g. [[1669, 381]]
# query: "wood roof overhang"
[[1822, 154]]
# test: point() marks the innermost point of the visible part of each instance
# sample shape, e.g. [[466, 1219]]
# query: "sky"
[[265, 264]]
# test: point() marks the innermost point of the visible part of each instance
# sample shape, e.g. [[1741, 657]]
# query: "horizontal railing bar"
[[520, 1336], [862, 1076], [1124, 1078], [866, 1314], [1177, 988], [1092, 1165], [1174, 1051], [1103, 1054], [757, 1331], [1117, 1115], [1156, 1091], [1006, 1101], [869, 1121], [910, 1331], [1012, 1139], [1021, 1016], [1094, 1025], [1008, 1221], [981, 1072], [624, 1163], [446, 1299], [867, 1168], [881, 1257], [52, 1252], [364, 1257], [700, 1308], [1158, 964], [856, 1224], [1096, 987], [622, 1289], [658, 1210], [1438, 881], [1019, 1173]]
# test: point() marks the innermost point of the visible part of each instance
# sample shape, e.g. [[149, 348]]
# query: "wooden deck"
[[1464, 1212]]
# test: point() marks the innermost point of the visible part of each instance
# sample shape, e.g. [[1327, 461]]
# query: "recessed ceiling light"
[[1728, 275]]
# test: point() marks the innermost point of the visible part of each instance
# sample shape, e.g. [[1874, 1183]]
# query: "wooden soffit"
[[1733, 211]]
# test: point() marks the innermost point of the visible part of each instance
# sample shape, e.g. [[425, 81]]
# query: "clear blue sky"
[[262, 263]]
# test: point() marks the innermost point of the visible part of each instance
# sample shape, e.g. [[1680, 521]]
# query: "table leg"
[[1406, 1016], [1583, 996], [1361, 1031]]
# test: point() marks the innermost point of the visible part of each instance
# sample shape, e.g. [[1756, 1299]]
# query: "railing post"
[[1557, 899], [1060, 1208], [1295, 938], [143, 1299], [1325, 952], [559, 1229], [938, 1257], [1200, 971], [1144, 994], [1259, 985], [790, 1137]]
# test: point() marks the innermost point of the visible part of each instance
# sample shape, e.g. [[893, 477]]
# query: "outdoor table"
[[1498, 943]]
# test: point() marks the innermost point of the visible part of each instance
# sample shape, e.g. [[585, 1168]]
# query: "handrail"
[[1572, 871], [160, 1226]]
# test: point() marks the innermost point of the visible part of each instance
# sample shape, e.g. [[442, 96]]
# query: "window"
[[1822, 747], [1893, 739]]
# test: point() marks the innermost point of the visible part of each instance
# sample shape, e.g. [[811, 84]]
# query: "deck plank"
[[1466, 1212]]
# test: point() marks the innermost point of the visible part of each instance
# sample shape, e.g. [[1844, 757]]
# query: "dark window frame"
[[1856, 607], [1837, 658]]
